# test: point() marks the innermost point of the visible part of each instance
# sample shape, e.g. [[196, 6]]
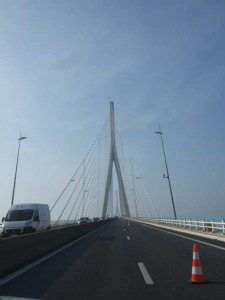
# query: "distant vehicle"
[[96, 219], [26, 218], [83, 220]]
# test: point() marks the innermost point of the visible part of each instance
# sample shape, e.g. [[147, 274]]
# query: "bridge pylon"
[[113, 158]]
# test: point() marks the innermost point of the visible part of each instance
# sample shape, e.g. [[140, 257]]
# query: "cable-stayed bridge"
[[128, 252], [91, 191]]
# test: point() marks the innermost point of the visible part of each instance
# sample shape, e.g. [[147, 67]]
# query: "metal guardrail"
[[210, 226], [63, 223]]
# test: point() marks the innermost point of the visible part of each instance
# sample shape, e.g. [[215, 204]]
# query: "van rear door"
[[36, 220]]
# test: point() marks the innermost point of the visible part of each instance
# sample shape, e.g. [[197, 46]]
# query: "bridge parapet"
[[206, 228], [63, 223], [17, 252]]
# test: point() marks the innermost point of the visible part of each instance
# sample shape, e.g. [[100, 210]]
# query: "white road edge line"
[[128, 237], [185, 237], [44, 258], [145, 273]]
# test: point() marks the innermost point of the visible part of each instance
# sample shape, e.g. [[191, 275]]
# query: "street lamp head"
[[22, 138], [158, 132]]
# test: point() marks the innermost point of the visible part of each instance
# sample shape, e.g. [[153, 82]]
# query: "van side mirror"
[[36, 218], [3, 219]]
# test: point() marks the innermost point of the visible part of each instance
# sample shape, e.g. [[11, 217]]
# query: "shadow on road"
[[214, 282], [106, 238]]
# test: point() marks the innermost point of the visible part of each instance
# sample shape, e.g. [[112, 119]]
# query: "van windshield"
[[19, 215]]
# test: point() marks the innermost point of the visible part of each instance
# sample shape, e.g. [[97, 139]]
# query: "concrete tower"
[[113, 158]]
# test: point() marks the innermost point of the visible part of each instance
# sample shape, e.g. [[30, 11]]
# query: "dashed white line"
[[145, 273], [128, 237]]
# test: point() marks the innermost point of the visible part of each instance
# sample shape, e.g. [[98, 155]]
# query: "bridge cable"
[[95, 187], [63, 191], [92, 186], [152, 203], [90, 172], [82, 174]]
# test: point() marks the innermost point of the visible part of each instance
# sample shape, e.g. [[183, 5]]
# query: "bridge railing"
[[210, 226], [63, 223]]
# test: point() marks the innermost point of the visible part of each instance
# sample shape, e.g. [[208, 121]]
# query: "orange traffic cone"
[[196, 274]]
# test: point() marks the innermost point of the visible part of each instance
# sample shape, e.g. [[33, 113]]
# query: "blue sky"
[[160, 61]]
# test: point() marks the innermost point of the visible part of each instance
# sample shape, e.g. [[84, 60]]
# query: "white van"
[[26, 218]]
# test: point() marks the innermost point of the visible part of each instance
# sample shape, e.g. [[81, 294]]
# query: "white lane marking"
[[185, 237], [145, 273], [15, 298], [44, 258], [124, 229], [128, 237]]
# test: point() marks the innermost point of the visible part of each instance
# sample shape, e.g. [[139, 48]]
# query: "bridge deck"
[[117, 262]]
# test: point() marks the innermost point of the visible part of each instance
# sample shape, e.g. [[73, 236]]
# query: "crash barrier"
[[63, 223], [60, 223], [211, 226], [19, 251]]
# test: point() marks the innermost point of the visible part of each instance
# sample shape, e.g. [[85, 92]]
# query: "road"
[[121, 262]]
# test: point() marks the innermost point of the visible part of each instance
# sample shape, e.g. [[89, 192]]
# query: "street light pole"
[[167, 172], [17, 161]]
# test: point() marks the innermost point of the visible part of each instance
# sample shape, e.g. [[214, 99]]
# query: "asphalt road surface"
[[121, 262]]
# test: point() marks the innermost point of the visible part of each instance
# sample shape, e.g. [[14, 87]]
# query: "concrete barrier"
[[207, 235], [18, 251]]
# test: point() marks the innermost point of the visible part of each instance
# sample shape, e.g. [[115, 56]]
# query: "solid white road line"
[[186, 237], [128, 237], [145, 273], [44, 258], [15, 298]]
